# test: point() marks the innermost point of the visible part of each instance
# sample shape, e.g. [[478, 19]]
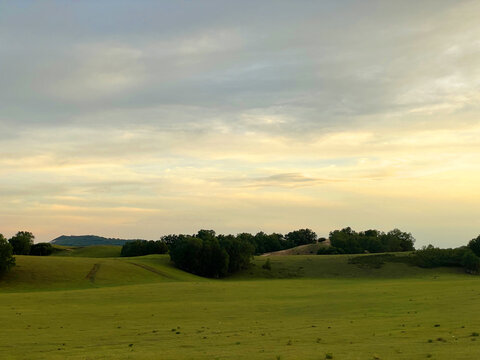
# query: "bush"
[[267, 265], [330, 250], [41, 249], [6, 255]]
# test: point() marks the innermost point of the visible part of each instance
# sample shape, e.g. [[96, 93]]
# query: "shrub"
[[267, 265], [330, 250]]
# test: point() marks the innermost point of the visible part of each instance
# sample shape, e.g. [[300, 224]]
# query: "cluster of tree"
[[348, 241], [206, 254], [467, 257], [262, 242], [144, 247], [22, 244]]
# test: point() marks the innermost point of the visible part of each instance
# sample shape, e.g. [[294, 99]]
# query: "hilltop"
[[88, 240], [308, 249]]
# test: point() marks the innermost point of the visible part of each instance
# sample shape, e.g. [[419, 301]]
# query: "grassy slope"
[[351, 312], [309, 249], [331, 266], [96, 251], [33, 273]]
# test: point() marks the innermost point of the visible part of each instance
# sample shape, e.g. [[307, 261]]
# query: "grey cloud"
[[322, 65]]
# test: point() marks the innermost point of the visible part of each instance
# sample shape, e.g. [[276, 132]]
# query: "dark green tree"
[[474, 245], [471, 262], [22, 242], [41, 249], [6, 255], [301, 237]]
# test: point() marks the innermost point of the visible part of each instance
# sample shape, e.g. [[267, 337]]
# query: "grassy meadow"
[[305, 307]]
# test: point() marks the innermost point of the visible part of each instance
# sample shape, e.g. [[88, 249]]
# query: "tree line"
[[211, 255], [467, 256], [348, 241], [143, 247]]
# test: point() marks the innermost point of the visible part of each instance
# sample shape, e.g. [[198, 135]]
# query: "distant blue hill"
[[87, 240]]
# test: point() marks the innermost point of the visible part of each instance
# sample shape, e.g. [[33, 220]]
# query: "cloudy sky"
[[137, 119]]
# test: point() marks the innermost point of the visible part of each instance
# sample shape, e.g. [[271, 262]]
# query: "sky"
[[136, 119]]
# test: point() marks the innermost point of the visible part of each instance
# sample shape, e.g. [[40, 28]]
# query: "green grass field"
[[304, 308]]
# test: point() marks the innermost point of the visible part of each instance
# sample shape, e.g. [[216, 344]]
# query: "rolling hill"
[[304, 307], [87, 240]]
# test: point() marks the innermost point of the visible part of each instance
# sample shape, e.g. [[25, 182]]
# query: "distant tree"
[[41, 249], [22, 242], [399, 241], [206, 254], [214, 259], [301, 237], [186, 254], [6, 255], [143, 247], [471, 262], [474, 245], [170, 240], [206, 234], [240, 252], [347, 240]]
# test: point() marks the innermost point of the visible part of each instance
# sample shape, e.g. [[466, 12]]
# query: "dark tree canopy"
[[301, 237], [41, 249], [22, 242], [206, 254], [143, 247], [348, 241], [430, 257], [474, 245], [6, 255]]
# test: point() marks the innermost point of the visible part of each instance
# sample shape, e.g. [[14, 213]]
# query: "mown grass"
[[363, 313]]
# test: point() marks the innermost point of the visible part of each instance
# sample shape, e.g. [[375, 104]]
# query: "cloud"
[[173, 115]]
